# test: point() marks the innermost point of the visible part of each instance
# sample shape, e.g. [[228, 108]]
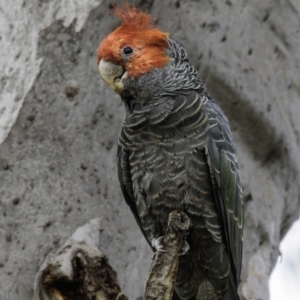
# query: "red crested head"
[[136, 45]]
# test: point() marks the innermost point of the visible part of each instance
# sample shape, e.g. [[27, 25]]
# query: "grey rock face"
[[58, 162]]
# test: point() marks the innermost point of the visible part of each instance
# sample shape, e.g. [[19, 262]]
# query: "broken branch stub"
[[92, 278], [77, 270]]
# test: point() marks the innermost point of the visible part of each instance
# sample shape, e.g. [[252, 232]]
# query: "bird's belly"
[[164, 182]]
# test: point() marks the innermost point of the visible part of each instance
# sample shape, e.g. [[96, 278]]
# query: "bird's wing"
[[222, 160], [126, 185]]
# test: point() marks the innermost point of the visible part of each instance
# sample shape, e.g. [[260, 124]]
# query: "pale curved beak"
[[112, 75]]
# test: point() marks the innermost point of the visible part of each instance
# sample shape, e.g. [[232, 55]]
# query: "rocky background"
[[59, 127]]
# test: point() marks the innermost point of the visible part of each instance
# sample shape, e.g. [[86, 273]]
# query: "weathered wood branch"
[[162, 274], [79, 271]]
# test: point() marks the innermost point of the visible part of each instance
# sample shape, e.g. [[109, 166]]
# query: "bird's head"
[[133, 49]]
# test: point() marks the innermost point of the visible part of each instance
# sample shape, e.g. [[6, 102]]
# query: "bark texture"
[[77, 270], [59, 126]]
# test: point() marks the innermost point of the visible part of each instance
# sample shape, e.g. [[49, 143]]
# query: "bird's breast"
[[168, 165], [163, 182]]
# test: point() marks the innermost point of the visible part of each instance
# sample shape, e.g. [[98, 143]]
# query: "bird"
[[175, 151]]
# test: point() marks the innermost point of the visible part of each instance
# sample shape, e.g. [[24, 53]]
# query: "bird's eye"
[[127, 50]]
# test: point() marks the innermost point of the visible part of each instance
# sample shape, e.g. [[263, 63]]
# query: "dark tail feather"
[[231, 293]]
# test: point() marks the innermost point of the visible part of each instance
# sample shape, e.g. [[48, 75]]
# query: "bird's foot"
[[158, 244], [184, 248], [179, 221]]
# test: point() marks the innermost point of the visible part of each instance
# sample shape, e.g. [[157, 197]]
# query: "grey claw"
[[158, 245], [184, 248]]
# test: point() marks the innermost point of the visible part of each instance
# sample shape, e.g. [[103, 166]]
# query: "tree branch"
[[78, 270], [163, 270]]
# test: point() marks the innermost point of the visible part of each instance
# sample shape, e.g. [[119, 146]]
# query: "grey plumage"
[[176, 150]]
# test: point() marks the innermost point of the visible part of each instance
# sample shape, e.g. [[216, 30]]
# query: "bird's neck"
[[178, 76]]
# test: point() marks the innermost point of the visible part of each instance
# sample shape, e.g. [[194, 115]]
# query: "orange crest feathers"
[[133, 17], [139, 32]]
